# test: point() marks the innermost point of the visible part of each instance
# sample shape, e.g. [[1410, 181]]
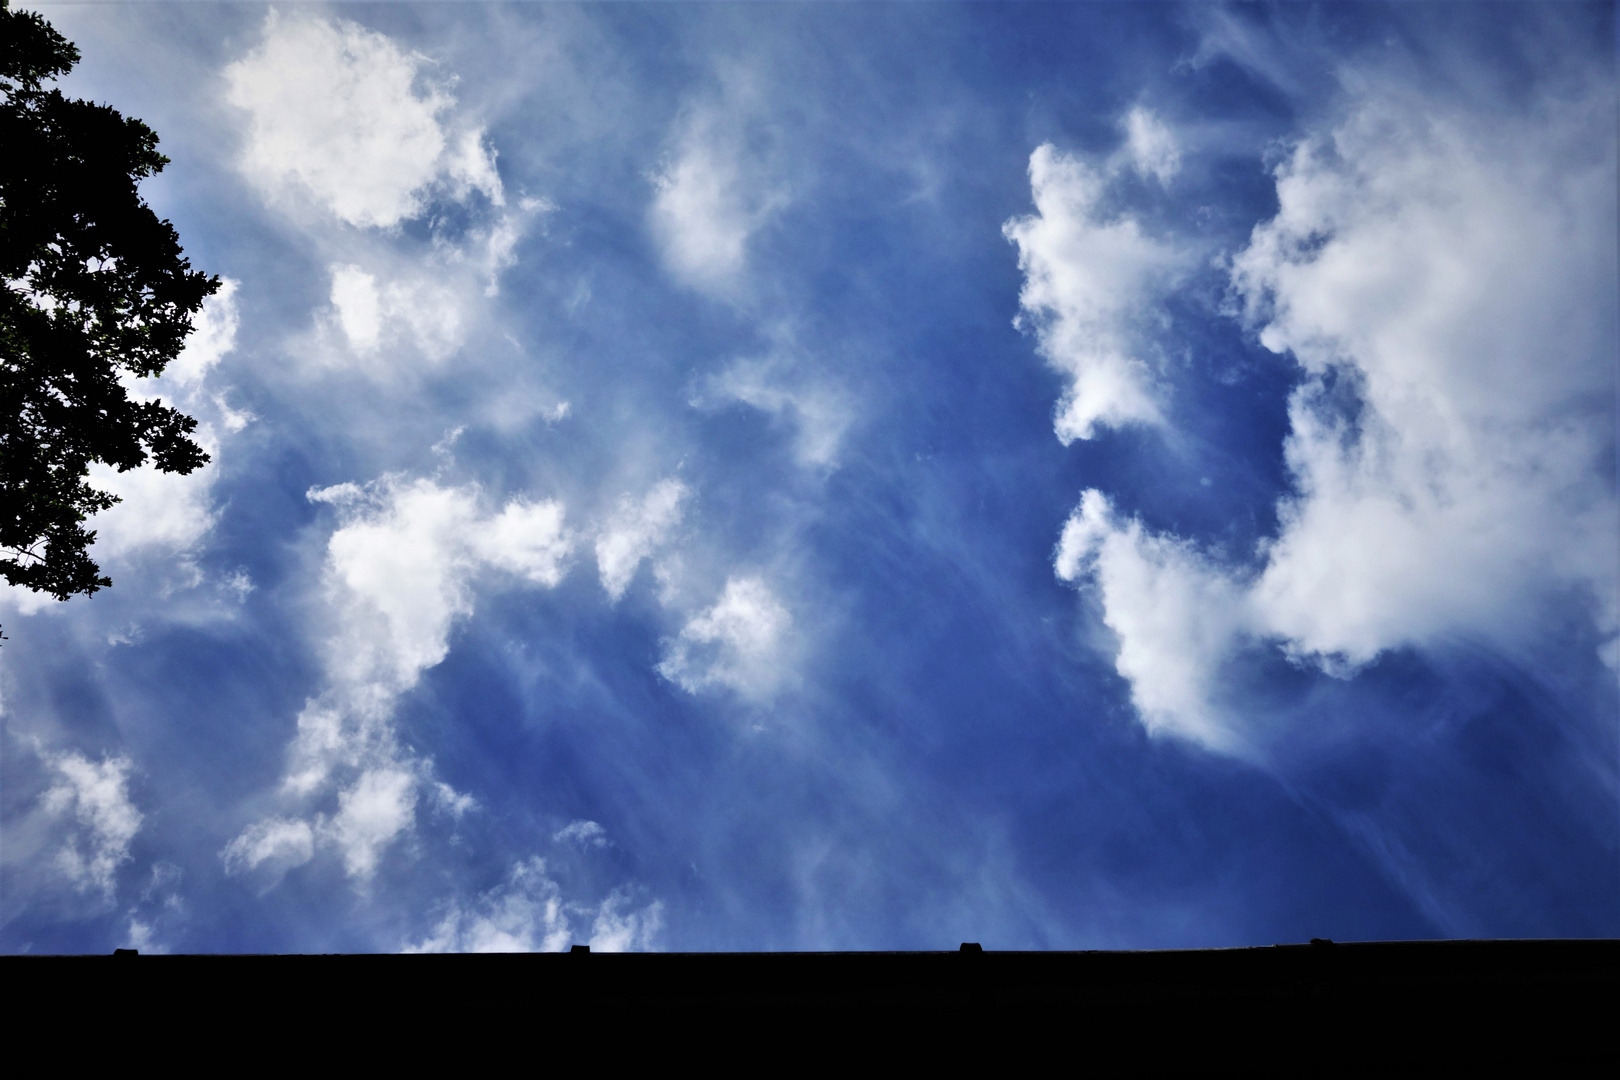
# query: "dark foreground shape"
[[1311, 1009]]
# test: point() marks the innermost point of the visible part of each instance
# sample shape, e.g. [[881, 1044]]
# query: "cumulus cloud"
[[402, 566], [710, 196], [400, 572], [1445, 281], [342, 116], [1175, 616], [635, 531], [528, 913], [527, 539], [1091, 279], [1456, 272], [92, 800], [741, 643]]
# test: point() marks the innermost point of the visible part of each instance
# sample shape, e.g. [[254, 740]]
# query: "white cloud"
[[740, 643], [427, 312], [274, 843], [710, 197], [141, 938], [345, 494], [584, 834], [159, 911], [1458, 272], [1090, 282], [1150, 146], [161, 511], [469, 166], [615, 929], [401, 577], [342, 115], [158, 510], [1450, 276], [526, 539], [213, 335], [341, 120], [1175, 616], [820, 414], [93, 798], [334, 733], [450, 801], [400, 572], [402, 566], [698, 216], [359, 306], [426, 302], [635, 531], [24, 601], [527, 913], [372, 813]]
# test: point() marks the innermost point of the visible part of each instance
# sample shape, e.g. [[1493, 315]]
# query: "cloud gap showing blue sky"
[[850, 476]]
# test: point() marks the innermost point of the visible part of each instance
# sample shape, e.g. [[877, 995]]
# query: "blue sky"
[[850, 477]]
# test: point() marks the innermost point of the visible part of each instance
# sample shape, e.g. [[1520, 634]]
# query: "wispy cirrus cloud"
[[817, 411]]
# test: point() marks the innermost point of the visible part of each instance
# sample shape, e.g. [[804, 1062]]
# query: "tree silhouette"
[[96, 288]]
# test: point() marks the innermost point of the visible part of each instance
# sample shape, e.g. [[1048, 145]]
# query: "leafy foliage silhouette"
[[96, 287]]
